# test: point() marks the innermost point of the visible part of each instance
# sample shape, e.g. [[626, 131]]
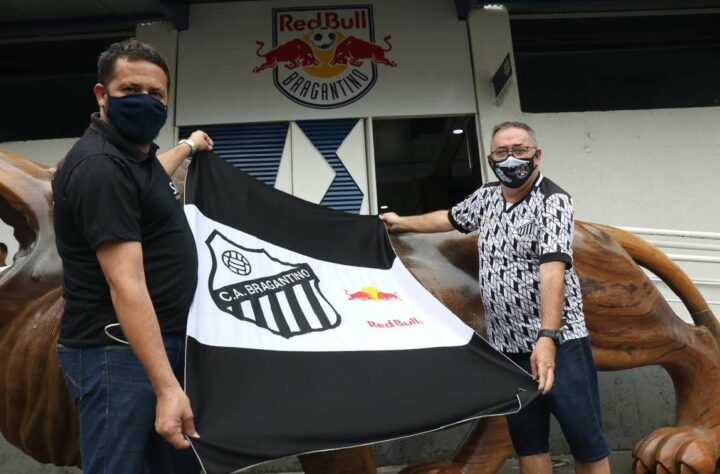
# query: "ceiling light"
[[383, 208], [457, 131], [493, 6]]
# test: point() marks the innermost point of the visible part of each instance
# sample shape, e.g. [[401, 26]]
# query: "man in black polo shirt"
[[130, 267], [531, 293]]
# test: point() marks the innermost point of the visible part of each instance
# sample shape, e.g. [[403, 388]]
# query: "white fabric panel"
[[410, 318]]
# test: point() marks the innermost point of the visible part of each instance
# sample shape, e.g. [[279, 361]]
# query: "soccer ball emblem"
[[322, 38], [236, 262]]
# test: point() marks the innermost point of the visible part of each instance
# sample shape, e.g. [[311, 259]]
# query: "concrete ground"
[[620, 463]]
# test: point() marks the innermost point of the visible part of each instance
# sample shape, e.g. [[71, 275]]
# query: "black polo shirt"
[[106, 189]]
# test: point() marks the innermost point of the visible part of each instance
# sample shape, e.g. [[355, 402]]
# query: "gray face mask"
[[513, 172]]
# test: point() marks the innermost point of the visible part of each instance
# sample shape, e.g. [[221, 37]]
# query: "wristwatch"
[[554, 334], [189, 143]]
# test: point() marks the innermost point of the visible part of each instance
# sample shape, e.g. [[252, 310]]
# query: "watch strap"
[[554, 334], [189, 143]]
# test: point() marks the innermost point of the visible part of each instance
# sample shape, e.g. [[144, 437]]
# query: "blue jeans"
[[574, 401], [117, 410]]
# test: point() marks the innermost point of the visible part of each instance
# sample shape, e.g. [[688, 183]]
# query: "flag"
[[307, 333]]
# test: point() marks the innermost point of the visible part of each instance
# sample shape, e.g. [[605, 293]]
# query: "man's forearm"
[[432, 222], [122, 264], [139, 324], [552, 294], [174, 157]]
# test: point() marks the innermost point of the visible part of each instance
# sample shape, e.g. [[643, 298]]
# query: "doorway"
[[425, 164]]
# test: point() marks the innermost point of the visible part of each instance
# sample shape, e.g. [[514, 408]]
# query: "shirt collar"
[[105, 128]]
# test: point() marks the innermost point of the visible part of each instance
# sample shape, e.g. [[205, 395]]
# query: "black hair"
[[3, 248], [132, 50]]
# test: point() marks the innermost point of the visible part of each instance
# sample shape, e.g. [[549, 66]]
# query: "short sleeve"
[[465, 216], [104, 201], [556, 230]]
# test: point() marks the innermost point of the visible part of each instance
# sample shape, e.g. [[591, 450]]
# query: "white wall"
[[46, 152], [636, 168], [163, 37], [644, 168], [217, 54]]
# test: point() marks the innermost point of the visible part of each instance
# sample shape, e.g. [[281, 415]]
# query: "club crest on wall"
[[324, 57]]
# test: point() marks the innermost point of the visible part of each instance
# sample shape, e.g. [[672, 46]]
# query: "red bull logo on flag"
[[370, 293], [324, 57]]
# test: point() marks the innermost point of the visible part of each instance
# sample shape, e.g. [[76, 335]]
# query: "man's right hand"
[[202, 141], [437, 221], [393, 222], [174, 417]]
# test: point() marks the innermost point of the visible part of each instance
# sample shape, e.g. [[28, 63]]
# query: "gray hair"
[[523, 126]]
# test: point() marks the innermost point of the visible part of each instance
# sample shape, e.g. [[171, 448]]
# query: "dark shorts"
[[573, 400]]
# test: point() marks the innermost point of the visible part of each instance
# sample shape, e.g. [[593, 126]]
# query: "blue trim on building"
[[327, 135], [255, 148]]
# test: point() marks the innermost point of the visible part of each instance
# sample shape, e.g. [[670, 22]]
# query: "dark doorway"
[[425, 164]]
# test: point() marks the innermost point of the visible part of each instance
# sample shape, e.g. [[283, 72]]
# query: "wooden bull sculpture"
[[631, 326]]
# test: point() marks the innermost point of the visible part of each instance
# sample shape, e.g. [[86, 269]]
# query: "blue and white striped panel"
[[327, 135], [255, 148]]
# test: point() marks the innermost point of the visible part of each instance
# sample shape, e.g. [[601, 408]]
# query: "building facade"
[[375, 105]]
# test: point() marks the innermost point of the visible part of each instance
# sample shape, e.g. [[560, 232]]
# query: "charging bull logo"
[[280, 297], [370, 293], [324, 57]]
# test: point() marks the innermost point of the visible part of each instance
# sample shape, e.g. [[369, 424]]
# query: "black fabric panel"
[[285, 220], [256, 414]]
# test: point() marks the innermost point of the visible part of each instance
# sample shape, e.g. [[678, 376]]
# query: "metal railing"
[[679, 244], [673, 233], [686, 240]]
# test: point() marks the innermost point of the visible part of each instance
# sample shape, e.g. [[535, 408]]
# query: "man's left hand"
[[542, 362], [202, 141], [174, 417]]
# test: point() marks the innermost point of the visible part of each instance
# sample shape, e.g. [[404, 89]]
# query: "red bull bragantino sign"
[[324, 57]]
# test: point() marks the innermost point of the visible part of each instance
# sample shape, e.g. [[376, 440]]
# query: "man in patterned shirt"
[[533, 305]]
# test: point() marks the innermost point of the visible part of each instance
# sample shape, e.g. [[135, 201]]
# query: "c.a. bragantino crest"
[[280, 297]]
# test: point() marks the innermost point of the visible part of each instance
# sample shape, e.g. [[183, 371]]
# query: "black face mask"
[[513, 172], [138, 117]]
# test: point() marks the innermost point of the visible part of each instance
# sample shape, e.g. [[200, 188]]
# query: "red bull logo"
[[324, 57], [370, 293]]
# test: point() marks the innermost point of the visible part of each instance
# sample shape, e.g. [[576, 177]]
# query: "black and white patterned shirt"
[[512, 243]]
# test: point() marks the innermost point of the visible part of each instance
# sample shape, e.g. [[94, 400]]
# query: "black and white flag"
[[307, 333]]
